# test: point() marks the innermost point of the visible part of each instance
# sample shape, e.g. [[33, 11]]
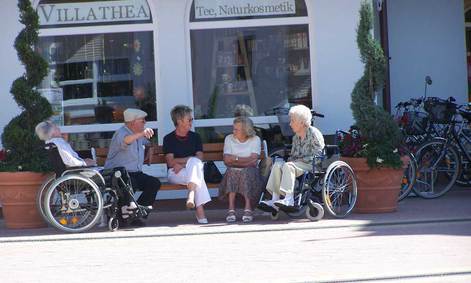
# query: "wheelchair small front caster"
[[314, 211], [113, 224], [275, 215]]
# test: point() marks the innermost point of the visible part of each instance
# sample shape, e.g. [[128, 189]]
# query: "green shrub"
[[377, 127], [24, 150]]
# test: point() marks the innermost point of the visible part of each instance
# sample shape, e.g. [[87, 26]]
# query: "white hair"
[[301, 113], [44, 130]]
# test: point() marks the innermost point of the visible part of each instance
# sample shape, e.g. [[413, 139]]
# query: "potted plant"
[[23, 169], [374, 155]]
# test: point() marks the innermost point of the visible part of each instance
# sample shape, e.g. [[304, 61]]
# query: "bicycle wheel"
[[464, 179], [409, 177], [438, 167]]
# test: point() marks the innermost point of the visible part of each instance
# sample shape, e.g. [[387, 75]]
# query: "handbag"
[[211, 172]]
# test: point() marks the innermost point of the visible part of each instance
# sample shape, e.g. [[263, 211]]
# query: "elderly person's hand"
[[148, 133], [177, 167]]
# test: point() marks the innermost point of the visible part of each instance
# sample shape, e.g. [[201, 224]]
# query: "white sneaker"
[[285, 202], [269, 202]]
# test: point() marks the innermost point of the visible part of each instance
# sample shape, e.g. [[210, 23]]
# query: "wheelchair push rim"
[[73, 203], [41, 196], [339, 190]]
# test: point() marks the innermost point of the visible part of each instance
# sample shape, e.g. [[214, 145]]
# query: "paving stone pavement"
[[424, 241]]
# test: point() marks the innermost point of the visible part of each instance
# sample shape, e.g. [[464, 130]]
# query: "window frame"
[[107, 29], [241, 23]]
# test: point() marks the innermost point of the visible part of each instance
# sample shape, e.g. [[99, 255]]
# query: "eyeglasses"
[[191, 119]]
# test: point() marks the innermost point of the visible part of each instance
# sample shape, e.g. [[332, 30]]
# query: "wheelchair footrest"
[[286, 208], [264, 207]]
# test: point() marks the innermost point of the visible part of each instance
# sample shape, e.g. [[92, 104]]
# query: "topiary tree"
[[376, 126], [24, 149]]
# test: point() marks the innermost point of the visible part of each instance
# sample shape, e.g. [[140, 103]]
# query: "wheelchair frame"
[[74, 202], [324, 186]]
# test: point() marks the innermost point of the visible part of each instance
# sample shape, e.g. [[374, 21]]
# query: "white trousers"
[[192, 173], [283, 175]]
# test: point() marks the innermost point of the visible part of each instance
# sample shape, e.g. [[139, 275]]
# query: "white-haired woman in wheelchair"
[[308, 142], [50, 133]]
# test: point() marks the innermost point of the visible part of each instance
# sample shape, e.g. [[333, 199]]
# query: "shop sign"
[[55, 98], [93, 12], [207, 9]]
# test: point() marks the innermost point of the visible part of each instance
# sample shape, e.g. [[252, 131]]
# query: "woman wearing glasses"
[[184, 154]]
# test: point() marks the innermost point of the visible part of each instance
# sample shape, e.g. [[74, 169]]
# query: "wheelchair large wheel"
[[73, 203], [40, 197], [339, 190]]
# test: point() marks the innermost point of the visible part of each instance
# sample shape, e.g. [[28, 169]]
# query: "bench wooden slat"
[[212, 151]]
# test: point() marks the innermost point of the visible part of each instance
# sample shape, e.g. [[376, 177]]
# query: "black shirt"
[[182, 147]]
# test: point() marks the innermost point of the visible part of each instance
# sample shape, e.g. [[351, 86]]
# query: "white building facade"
[[215, 55]]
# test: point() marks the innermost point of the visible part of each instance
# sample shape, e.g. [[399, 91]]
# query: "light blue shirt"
[[129, 156]]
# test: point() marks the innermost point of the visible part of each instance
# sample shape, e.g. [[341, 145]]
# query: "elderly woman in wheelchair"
[[311, 175], [79, 195]]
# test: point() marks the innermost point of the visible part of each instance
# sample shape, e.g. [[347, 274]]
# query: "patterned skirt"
[[245, 181]]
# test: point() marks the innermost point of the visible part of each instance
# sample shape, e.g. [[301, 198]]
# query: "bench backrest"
[[212, 152]]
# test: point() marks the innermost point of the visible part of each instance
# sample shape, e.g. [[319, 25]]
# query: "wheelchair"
[[76, 198], [331, 184]]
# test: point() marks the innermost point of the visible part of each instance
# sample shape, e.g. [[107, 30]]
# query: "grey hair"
[[243, 110], [44, 130], [247, 125], [179, 112], [301, 113]]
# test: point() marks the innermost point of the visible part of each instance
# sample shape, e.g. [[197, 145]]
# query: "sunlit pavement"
[[424, 241]]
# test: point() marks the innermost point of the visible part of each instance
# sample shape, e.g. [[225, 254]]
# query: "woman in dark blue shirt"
[[184, 154]]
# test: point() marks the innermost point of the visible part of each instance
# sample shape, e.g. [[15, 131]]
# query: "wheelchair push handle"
[[316, 114]]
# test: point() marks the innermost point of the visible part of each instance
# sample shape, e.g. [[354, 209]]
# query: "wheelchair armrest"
[[330, 150]]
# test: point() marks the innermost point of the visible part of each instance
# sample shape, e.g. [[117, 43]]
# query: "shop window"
[[260, 67], [100, 75]]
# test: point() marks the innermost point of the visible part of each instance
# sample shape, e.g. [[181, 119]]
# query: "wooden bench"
[[211, 152]]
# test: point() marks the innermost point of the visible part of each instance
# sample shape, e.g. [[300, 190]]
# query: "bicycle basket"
[[440, 111], [414, 122]]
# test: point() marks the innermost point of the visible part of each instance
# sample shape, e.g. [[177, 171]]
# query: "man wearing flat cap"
[[127, 150]]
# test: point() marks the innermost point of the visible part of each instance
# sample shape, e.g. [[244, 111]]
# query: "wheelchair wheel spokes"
[[340, 189], [438, 167], [73, 204]]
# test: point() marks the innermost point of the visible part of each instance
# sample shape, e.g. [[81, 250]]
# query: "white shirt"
[[241, 149], [68, 155]]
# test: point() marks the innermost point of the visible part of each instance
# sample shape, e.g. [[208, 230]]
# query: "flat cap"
[[132, 114]]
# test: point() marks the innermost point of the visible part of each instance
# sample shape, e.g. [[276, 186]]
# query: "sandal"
[[231, 216], [248, 216]]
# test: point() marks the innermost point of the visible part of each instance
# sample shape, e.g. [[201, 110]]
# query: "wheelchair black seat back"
[[76, 198]]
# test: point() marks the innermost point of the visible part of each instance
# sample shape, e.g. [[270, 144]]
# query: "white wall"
[[336, 66], [11, 68], [427, 37], [337, 63]]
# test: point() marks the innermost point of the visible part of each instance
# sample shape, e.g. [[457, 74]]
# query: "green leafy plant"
[[376, 126], [24, 150]]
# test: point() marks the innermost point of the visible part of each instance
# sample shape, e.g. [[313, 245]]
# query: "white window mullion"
[[249, 23], [95, 29]]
